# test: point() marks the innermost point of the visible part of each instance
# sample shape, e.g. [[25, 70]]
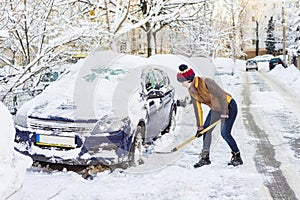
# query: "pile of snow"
[[289, 77], [225, 66], [13, 164]]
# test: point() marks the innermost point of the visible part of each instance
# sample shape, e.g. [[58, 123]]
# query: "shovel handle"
[[194, 137]]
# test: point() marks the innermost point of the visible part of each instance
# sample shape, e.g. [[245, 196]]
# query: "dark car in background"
[[276, 61], [103, 110]]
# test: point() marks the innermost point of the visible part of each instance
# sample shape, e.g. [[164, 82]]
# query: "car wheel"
[[172, 123], [136, 150]]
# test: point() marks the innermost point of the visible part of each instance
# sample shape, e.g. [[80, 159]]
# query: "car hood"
[[86, 92]]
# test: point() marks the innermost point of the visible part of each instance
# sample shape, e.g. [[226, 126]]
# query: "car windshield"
[[251, 62], [275, 60]]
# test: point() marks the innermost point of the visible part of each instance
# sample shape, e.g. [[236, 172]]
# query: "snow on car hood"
[[87, 91]]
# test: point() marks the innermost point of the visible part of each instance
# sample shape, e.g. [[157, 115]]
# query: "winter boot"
[[236, 159], [204, 159]]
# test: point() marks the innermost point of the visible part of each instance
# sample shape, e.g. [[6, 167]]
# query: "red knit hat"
[[185, 73]]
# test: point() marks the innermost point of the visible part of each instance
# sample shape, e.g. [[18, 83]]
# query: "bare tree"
[[116, 16], [236, 11], [200, 32], [39, 33], [163, 13], [151, 16]]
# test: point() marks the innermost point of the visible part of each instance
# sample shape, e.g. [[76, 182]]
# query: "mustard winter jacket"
[[208, 92]]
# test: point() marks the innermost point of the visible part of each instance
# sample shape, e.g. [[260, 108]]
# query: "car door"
[[152, 104], [166, 100]]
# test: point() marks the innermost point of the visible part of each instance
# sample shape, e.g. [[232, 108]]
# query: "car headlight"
[[108, 125]]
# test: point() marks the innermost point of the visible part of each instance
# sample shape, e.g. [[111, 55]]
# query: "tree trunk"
[[150, 41], [257, 40], [149, 50], [155, 44]]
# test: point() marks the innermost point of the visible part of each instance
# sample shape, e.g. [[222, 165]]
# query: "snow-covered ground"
[[172, 176]]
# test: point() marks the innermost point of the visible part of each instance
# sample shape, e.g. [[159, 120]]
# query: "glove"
[[198, 133], [181, 103]]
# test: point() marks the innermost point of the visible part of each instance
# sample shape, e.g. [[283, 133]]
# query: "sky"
[[172, 176]]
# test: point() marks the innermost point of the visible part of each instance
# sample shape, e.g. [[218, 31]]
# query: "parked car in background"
[[102, 110], [263, 58], [276, 61], [251, 64]]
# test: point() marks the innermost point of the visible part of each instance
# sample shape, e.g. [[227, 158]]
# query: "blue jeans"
[[226, 127]]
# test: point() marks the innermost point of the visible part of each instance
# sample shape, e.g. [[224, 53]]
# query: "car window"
[[251, 62], [166, 78], [150, 82], [275, 59], [159, 78]]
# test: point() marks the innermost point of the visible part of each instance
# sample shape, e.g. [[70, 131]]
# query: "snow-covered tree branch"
[[39, 33], [165, 13]]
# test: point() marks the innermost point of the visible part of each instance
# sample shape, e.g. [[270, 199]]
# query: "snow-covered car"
[[102, 110], [251, 64], [263, 58], [276, 61]]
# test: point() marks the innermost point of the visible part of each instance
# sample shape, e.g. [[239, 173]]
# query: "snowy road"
[[266, 129], [277, 154]]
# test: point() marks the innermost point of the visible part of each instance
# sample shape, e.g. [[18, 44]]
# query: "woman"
[[222, 105]]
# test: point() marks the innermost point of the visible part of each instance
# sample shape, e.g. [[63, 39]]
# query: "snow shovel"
[[190, 139]]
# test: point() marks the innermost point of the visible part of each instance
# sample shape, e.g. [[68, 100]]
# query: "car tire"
[[136, 150], [172, 123]]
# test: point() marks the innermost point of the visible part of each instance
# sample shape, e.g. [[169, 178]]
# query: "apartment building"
[[258, 14]]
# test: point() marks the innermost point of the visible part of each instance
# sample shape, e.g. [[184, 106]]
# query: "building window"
[[253, 18], [253, 42]]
